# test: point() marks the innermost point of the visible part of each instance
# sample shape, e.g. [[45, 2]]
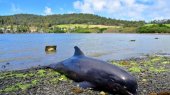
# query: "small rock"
[[132, 40], [164, 93], [77, 90], [144, 80], [103, 93], [153, 93], [144, 90], [7, 63]]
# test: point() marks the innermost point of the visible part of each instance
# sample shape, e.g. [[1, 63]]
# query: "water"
[[27, 50]]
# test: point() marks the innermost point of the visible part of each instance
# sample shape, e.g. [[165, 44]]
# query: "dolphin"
[[97, 74]]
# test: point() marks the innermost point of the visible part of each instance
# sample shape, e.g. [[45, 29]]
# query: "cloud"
[[48, 11], [126, 9], [70, 12], [61, 9], [15, 8], [83, 6]]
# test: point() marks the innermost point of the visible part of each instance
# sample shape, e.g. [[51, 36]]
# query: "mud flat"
[[152, 73]]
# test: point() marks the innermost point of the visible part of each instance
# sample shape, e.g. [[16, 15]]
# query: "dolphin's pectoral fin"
[[85, 84]]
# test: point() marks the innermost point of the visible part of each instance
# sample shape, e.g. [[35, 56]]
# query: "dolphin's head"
[[128, 85], [122, 82], [131, 87]]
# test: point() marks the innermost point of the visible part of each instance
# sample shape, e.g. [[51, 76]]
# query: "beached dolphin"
[[97, 73]]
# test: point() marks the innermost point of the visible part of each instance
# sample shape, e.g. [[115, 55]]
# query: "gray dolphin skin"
[[97, 74]]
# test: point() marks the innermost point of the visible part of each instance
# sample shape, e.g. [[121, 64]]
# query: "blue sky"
[[119, 9]]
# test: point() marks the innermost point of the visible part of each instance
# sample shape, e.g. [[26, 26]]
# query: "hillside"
[[39, 20], [77, 23]]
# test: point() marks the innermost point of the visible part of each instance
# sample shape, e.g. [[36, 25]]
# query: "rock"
[[103, 93], [76, 90], [164, 93], [132, 40], [153, 93], [144, 90], [7, 63], [144, 80]]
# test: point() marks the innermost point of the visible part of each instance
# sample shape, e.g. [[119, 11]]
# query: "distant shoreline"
[[90, 33]]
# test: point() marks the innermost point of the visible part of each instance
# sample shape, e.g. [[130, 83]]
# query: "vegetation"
[[77, 23], [154, 28], [50, 20], [81, 23], [33, 77], [164, 21], [150, 65]]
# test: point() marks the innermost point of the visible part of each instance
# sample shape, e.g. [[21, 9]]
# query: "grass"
[[167, 25], [154, 24], [85, 26]]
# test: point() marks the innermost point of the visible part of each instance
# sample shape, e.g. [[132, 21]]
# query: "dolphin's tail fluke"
[[78, 52]]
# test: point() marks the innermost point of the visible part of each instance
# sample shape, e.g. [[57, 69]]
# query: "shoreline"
[[90, 33], [152, 73]]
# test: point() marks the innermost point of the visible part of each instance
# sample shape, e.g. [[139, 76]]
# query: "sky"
[[147, 10]]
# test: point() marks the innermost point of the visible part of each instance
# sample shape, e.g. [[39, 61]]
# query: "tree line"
[[39, 20], [21, 23], [164, 21], [25, 22]]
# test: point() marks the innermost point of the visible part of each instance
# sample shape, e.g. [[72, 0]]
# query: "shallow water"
[[26, 50]]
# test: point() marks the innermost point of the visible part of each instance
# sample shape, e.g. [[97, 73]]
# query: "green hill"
[[39, 20]]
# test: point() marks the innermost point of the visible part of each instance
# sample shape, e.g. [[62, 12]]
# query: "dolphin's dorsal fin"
[[78, 52]]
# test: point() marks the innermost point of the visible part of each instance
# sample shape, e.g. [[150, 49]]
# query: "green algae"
[[117, 64], [24, 86], [54, 80], [52, 73], [135, 69], [18, 86], [159, 70], [9, 89], [165, 62], [62, 78], [28, 79], [34, 82], [156, 59], [41, 73], [132, 66], [147, 63], [150, 64]]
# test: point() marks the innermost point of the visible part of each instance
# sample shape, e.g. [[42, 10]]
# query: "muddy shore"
[[152, 74]]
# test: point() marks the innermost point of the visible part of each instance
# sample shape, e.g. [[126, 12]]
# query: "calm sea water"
[[27, 50]]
